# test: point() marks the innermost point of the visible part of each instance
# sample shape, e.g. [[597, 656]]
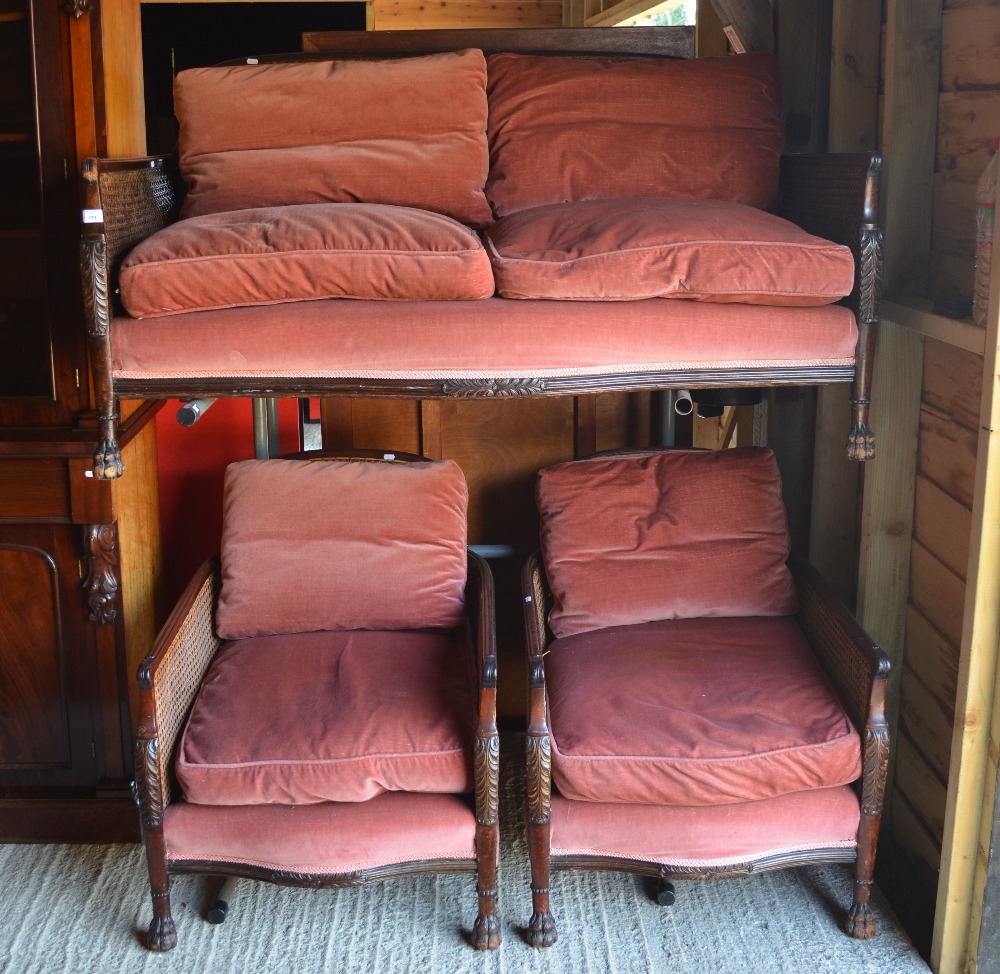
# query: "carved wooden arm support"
[[480, 600], [124, 201], [169, 678], [856, 666], [837, 197], [539, 758]]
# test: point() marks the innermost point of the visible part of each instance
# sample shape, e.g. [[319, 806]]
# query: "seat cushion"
[[665, 247], [468, 340], [304, 253], [328, 716], [695, 712], [672, 534], [329, 544], [408, 131], [576, 128]]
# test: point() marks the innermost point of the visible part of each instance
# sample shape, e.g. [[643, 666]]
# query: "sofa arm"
[[124, 201], [169, 679], [836, 197], [127, 200]]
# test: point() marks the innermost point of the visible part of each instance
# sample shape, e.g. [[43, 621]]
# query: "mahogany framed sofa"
[[700, 706], [487, 213], [320, 708]]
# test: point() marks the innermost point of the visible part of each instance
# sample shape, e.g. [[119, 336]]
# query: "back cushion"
[[410, 131], [574, 128], [678, 534], [313, 545]]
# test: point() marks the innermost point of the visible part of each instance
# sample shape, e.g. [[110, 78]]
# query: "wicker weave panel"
[[826, 197], [180, 673], [136, 203], [848, 669]]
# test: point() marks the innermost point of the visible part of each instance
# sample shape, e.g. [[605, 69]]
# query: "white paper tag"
[[93, 216]]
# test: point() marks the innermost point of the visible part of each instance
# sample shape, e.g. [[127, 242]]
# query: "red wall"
[[192, 462]]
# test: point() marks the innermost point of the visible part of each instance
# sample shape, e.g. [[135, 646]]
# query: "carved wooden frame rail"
[[857, 668], [835, 196]]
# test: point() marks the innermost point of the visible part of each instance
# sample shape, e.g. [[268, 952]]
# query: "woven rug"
[[84, 910]]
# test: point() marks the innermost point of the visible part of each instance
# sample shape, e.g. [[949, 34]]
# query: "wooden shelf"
[[916, 314], [16, 138], [13, 16]]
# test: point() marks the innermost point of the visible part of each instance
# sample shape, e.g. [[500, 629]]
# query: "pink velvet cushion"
[[392, 828], [327, 544], [575, 128], [664, 535], [304, 253], [695, 712], [328, 716], [665, 247], [409, 131], [708, 837]]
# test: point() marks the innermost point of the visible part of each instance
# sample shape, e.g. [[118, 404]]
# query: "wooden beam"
[[912, 74], [748, 23], [887, 506]]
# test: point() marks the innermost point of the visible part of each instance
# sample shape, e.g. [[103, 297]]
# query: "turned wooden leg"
[[862, 923], [542, 926], [162, 932], [486, 932]]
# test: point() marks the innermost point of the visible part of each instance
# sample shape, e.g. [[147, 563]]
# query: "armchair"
[[320, 709], [698, 708]]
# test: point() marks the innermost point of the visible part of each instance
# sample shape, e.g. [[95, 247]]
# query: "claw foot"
[[862, 923], [861, 443], [486, 933], [162, 934], [542, 930], [108, 461]]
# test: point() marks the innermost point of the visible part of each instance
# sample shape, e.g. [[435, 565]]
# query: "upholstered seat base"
[[460, 340], [328, 839], [692, 840]]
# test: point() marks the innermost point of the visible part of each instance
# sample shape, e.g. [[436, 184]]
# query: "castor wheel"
[[219, 909], [665, 894]]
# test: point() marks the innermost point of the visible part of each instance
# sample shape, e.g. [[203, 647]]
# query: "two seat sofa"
[[479, 214]]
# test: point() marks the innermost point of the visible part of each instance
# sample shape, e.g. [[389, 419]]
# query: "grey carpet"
[[84, 909]]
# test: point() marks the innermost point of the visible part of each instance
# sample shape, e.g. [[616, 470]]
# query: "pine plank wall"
[[968, 117]]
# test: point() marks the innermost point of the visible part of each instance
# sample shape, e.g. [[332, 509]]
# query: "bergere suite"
[[480, 213]]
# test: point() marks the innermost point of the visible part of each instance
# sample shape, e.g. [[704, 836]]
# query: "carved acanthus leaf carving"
[[492, 388], [96, 300], [101, 584], [487, 770], [875, 770], [539, 762], [148, 788], [872, 243]]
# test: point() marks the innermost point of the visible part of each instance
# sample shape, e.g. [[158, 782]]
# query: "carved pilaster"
[[539, 784], [487, 770], [875, 770], [101, 584]]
